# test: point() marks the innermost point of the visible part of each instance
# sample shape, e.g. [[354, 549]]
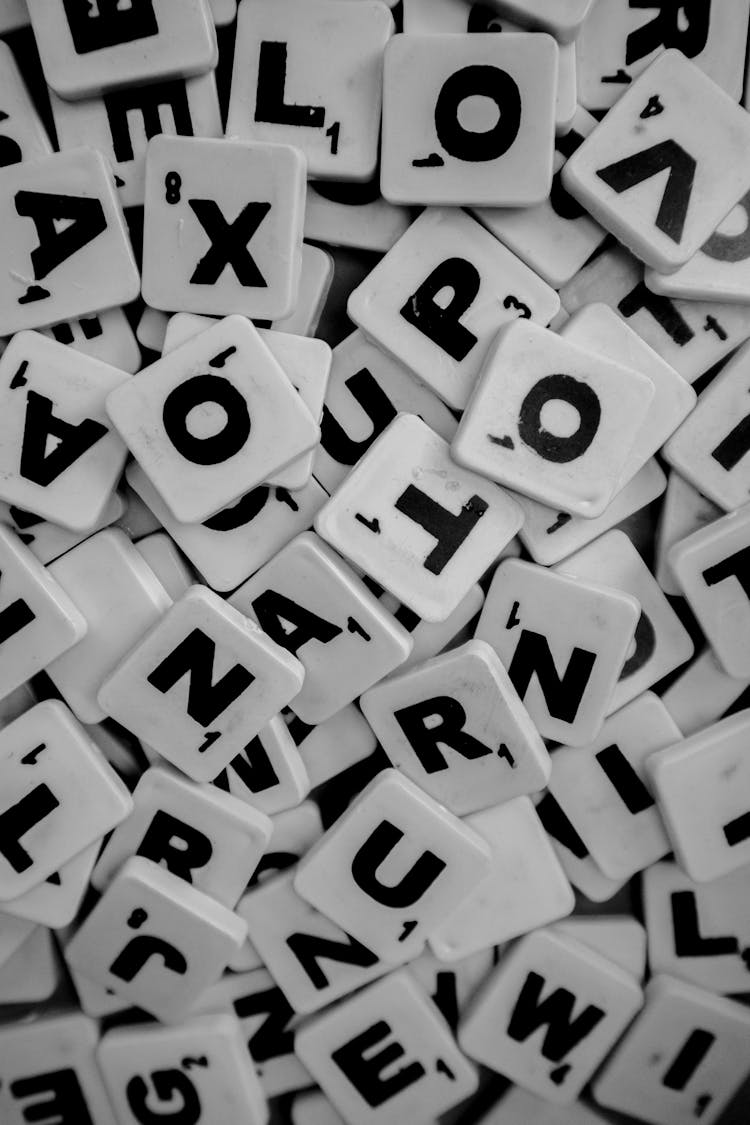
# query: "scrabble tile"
[[204, 836], [394, 1017], [151, 330], [223, 11], [575, 858], [524, 888], [160, 553], [238, 678], [340, 874], [702, 786], [333, 745], [550, 535], [49, 1070], [311, 603], [62, 396], [561, 18], [32, 974], [519, 1107], [13, 933], [617, 41], [702, 694], [432, 637], [353, 215], [661, 642], [269, 774], [542, 981], [105, 335], [47, 541], [673, 118], [597, 328], [468, 120], [16, 703], [699, 932], [294, 833], [313, 1108], [556, 237], [427, 544], [684, 511], [203, 1064], [13, 14], [56, 901], [566, 658], [59, 796], [618, 937], [56, 274], [605, 791], [690, 335], [682, 1059], [444, 345], [561, 428], [281, 94], [710, 447], [39, 621], [709, 567], [87, 51], [155, 940], [452, 987], [22, 135], [120, 598], [315, 280], [207, 247], [462, 701]]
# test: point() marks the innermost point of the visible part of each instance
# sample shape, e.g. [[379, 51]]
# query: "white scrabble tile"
[[201, 684], [561, 18], [280, 93], [618, 937], [57, 272], [56, 901], [452, 987], [672, 119], [618, 41], [702, 786], [202, 1064], [39, 622], [137, 520], [59, 795], [13, 14], [432, 637], [120, 598], [395, 1020], [333, 745], [223, 11], [16, 703], [699, 932], [208, 838], [709, 566], [684, 511], [710, 447], [208, 248], [550, 535], [340, 875], [47, 541], [311, 603], [462, 701], [604, 788], [539, 984], [682, 1059], [353, 215], [294, 833], [315, 280], [87, 51], [661, 642], [519, 1107], [426, 543], [575, 858], [553, 420], [13, 933], [151, 329], [33, 973], [313, 1108], [269, 774], [468, 120], [22, 135], [565, 659], [167, 563], [155, 940], [104, 335], [48, 1070], [702, 694], [690, 335], [61, 457]]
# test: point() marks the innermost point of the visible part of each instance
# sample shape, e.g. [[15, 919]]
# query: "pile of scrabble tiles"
[[374, 562]]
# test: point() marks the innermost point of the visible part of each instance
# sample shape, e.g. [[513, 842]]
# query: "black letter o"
[[489, 82], [218, 447], [566, 389]]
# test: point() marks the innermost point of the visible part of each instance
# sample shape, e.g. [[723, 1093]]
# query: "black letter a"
[[74, 440]]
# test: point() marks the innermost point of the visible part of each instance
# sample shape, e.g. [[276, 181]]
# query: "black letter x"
[[228, 242]]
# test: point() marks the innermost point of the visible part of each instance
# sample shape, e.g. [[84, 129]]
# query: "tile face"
[[682, 1059], [684, 511], [315, 280], [269, 773], [619, 938], [561, 18], [311, 603], [426, 543], [445, 345], [204, 439], [87, 52], [13, 933], [604, 788], [58, 796], [394, 1017], [563, 642], [468, 120], [709, 566], [155, 940], [672, 119], [208, 248], [203, 1064], [22, 135], [575, 858], [355, 215], [105, 335], [552, 420], [341, 875], [201, 684], [13, 14], [519, 1107], [201, 835], [32, 974], [47, 541], [333, 745], [167, 563], [48, 391], [293, 834], [702, 694], [56, 901], [462, 701], [539, 985], [703, 789], [281, 95], [55, 274], [120, 598], [699, 932], [452, 987]]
